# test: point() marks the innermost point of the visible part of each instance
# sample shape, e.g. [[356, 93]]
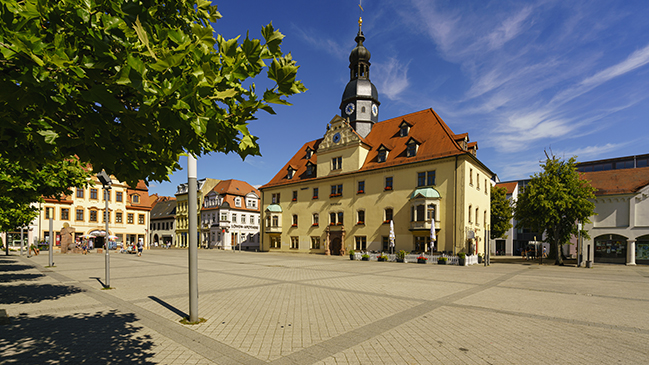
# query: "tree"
[[554, 201], [128, 86], [20, 187], [501, 212]]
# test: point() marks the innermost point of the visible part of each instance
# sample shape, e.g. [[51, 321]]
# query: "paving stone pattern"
[[310, 309]]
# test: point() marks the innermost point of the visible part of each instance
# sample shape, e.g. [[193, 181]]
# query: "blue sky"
[[518, 76]]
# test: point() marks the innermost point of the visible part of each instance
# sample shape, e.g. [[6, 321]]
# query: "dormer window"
[[411, 148], [290, 172], [383, 154], [404, 129], [237, 202], [309, 153], [336, 163], [135, 199], [310, 169]]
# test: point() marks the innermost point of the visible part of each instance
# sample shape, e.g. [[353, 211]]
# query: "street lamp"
[[106, 182]]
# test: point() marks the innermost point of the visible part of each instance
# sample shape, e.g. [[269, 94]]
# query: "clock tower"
[[360, 102]]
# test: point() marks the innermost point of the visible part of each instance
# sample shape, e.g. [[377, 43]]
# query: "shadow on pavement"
[[169, 306], [23, 293], [7, 278], [100, 338]]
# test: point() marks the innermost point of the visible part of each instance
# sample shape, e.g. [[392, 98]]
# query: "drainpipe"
[[455, 205]]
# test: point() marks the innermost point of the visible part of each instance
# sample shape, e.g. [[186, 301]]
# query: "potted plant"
[[422, 259], [365, 257], [480, 258], [441, 260], [401, 256], [461, 258], [383, 257], [352, 255]]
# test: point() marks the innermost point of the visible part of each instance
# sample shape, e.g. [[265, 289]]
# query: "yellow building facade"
[[182, 209], [83, 211]]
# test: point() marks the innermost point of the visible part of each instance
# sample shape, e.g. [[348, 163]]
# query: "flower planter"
[[382, 259], [479, 259], [352, 256], [421, 261], [461, 262], [365, 258], [441, 262], [401, 260]]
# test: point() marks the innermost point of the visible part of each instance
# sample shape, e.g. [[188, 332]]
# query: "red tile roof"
[[510, 186], [232, 188], [622, 181], [435, 138]]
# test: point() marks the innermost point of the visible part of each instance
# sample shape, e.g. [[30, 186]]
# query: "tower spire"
[[360, 101]]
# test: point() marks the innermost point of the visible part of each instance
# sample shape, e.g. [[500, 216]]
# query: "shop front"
[[611, 248]]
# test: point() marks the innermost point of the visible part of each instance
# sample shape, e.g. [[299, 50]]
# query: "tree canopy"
[[502, 213], [20, 187], [554, 201], [129, 86]]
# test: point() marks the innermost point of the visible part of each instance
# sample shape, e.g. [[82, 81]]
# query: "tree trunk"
[[559, 258]]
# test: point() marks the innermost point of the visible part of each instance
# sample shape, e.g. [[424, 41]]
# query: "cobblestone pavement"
[[312, 309]]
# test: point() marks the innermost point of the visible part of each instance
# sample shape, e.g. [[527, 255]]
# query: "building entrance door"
[[336, 245]]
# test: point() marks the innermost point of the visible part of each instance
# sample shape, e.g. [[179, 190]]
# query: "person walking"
[[140, 247]]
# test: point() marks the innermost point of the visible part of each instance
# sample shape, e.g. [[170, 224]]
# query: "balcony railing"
[[422, 225]]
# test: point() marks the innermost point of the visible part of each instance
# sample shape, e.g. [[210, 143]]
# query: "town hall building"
[[342, 191]]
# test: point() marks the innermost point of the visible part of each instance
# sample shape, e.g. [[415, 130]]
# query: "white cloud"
[[509, 29], [327, 45], [391, 78]]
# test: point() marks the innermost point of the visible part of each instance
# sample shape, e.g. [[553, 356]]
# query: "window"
[[251, 203], [388, 215], [417, 213], [336, 163], [118, 196], [224, 217], [276, 198], [310, 169], [361, 217], [93, 215], [80, 215], [403, 131], [332, 219], [135, 199], [65, 214], [386, 243], [315, 243], [309, 153], [388, 183], [49, 213], [430, 178], [383, 154], [275, 242], [294, 195], [130, 218], [93, 193], [470, 213], [476, 217], [243, 219], [234, 218], [485, 186], [471, 177], [79, 193], [315, 193], [411, 148], [337, 190], [477, 181], [484, 218], [361, 187], [294, 220], [295, 242], [237, 202], [290, 172], [431, 212], [340, 218], [275, 221], [361, 243], [316, 219], [421, 179], [118, 217], [106, 195], [422, 243]]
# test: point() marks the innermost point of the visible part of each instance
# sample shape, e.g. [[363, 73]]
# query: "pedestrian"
[[35, 249], [85, 248], [140, 247], [545, 253]]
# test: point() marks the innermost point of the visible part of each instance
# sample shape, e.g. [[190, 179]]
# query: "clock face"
[[349, 109], [336, 137], [375, 110]]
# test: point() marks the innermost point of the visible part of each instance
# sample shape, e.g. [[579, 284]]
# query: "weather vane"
[[360, 17]]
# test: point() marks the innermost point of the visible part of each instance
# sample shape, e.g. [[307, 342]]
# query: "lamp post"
[[579, 248], [51, 243], [193, 239], [106, 182]]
